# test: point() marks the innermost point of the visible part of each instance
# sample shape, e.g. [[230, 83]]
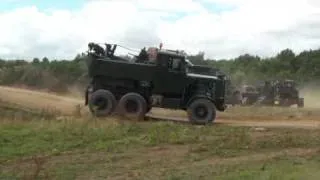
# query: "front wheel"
[[201, 111]]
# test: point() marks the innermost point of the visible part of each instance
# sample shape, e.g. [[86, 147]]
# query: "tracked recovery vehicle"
[[270, 93], [281, 93], [155, 78], [245, 95]]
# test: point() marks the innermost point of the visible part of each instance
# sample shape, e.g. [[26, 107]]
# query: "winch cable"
[[138, 51]]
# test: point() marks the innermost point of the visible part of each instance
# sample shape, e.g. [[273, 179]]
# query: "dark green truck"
[[157, 78]]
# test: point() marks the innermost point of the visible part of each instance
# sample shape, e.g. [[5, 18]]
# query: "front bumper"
[[222, 107]]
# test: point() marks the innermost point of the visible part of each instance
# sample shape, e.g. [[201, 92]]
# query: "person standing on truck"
[[109, 51], [143, 56], [98, 50]]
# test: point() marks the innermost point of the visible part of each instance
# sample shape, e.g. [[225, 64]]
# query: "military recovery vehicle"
[[246, 95], [157, 78], [281, 93], [272, 93]]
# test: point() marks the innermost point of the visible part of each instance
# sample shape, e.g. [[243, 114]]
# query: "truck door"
[[171, 79], [176, 77]]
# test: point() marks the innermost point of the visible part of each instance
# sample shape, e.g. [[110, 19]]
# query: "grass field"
[[92, 149], [69, 144]]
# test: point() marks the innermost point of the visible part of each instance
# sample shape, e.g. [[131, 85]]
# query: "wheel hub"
[[131, 106], [201, 111], [101, 103]]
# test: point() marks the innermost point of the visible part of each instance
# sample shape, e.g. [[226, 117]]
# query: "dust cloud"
[[311, 95]]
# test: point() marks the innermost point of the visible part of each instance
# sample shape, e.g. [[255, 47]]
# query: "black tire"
[[133, 105], [194, 110], [102, 103]]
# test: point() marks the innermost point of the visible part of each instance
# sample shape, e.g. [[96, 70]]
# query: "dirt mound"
[[39, 100]]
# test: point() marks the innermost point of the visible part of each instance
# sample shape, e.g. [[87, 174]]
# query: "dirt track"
[[38, 100], [67, 105]]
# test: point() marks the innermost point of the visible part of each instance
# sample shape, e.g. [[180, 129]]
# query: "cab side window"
[[162, 61], [174, 63]]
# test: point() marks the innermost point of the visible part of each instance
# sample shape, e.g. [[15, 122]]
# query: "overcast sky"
[[221, 28]]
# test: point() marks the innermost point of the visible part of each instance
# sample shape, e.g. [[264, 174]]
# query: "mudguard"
[[199, 97]]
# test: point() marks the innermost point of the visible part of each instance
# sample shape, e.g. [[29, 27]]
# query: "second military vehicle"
[[281, 93], [272, 93], [156, 78]]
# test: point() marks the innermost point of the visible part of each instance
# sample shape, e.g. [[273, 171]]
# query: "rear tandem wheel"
[[133, 105], [102, 103]]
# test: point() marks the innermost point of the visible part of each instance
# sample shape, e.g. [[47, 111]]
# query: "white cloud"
[[257, 27]]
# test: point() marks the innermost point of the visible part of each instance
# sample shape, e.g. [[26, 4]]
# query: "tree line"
[[303, 67], [59, 75]]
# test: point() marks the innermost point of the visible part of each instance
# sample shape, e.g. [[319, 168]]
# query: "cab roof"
[[170, 52]]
